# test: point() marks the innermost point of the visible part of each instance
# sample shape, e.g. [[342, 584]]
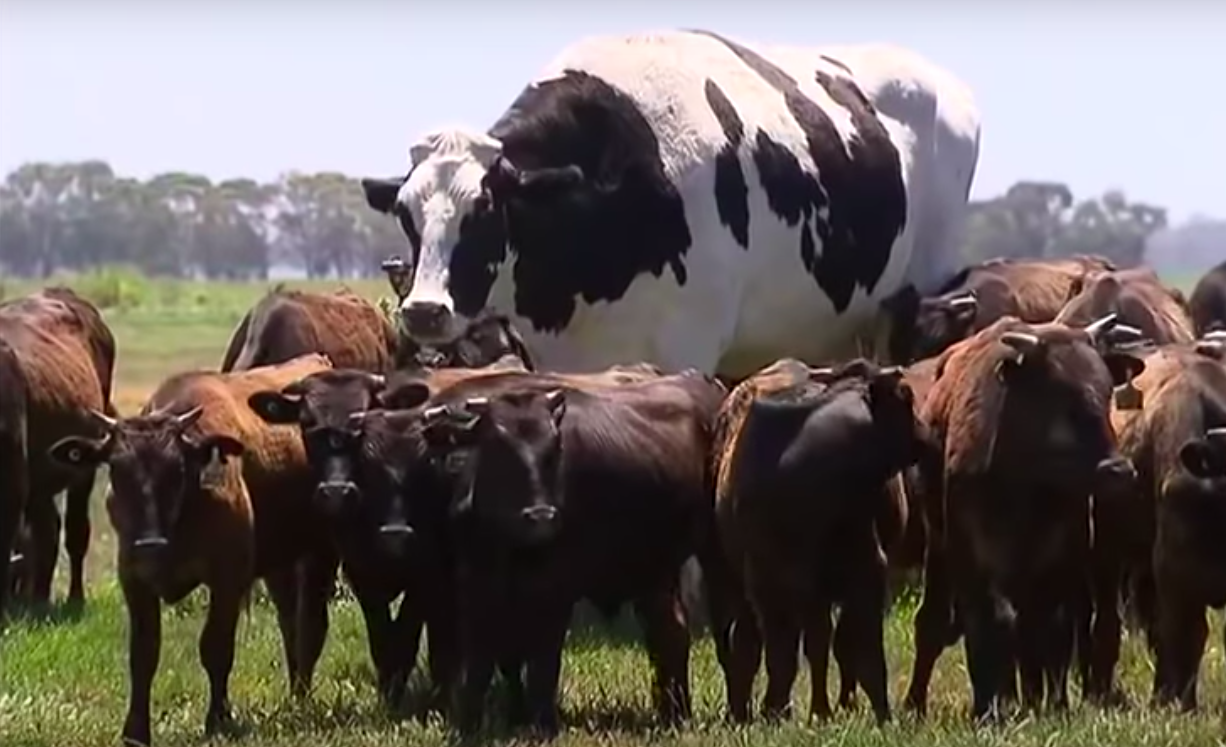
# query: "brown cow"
[[560, 494], [322, 405], [1139, 299], [1009, 543], [14, 472], [1033, 290], [188, 513], [1208, 303], [802, 500], [67, 356], [287, 323], [1177, 563]]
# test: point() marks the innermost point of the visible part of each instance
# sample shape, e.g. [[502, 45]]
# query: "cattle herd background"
[[1037, 444]]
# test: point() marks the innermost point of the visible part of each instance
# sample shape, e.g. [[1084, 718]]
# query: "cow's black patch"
[[591, 237], [479, 250], [731, 192], [863, 194]]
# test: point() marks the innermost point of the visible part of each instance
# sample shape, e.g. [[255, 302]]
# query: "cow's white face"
[[441, 191]]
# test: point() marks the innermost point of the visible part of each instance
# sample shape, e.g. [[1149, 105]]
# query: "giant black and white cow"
[[686, 199]]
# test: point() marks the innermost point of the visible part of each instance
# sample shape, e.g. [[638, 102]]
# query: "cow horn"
[[1023, 342], [431, 414], [477, 405], [356, 419], [104, 420], [376, 381], [1217, 335], [964, 301], [1093, 329], [1214, 434], [821, 374], [189, 417]]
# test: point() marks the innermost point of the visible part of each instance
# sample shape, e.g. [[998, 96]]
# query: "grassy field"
[[63, 681]]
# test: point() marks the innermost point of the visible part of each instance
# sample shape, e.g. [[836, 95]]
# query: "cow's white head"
[[441, 208]]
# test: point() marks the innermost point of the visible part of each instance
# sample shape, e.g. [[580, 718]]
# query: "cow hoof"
[[137, 738], [222, 724]]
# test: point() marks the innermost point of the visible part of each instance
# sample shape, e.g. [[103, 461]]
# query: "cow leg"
[[934, 630], [317, 574], [217, 656], [845, 656], [988, 659], [1030, 635], [1059, 656], [1104, 638], [481, 638], [667, 635], [512, 671], [144, 650], [444, 649], [543, 671], [817, 651], [282, 586], [44, 522], [76, 535], [865, 617], [744, 658], [13, 490], [391, 673], [781, 636], [1182, 631]]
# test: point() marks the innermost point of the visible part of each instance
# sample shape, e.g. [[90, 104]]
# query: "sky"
[[1093, 93]]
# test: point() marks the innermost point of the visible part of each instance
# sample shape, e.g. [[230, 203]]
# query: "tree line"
[[80, 216]]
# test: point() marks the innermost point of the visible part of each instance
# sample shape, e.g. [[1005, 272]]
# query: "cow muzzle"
[[426, 321], [333, 495], [395, 536], [540, 523], [147, 553]]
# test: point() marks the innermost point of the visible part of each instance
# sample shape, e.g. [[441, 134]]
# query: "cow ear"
[[381, 194], [1197, 458], [1124, 366], [276, 408], [405, 396], [216, 447], [78, 452]]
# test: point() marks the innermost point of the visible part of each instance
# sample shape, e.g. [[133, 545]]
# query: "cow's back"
[[66, 355], [774, 297], [273, 455], [288, 323]]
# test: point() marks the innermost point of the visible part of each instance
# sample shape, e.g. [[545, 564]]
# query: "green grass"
[[63, 681]]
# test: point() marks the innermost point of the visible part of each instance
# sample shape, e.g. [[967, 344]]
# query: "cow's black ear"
[[381, 194], [1124, 366], [276, 408], [1198, 459], [405, 396]]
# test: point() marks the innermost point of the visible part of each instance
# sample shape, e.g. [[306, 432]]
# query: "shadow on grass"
[[34, 614]]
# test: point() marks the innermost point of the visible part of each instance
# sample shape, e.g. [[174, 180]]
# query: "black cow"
[[1208, 303]]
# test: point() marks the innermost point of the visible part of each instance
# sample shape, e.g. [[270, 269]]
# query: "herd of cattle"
[[1044, 438], [1054, 447]]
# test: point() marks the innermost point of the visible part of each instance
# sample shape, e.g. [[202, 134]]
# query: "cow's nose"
[[540, 514], [335, 493], [425, 318]]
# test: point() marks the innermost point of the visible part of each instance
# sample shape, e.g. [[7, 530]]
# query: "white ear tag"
[[213, 474]]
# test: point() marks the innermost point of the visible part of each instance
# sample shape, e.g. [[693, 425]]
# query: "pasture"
[[63, 680]]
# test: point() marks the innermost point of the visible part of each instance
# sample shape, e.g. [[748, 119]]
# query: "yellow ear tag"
[[1128, 397]]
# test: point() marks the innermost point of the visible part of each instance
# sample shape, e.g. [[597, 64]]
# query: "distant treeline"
[[80, 216]]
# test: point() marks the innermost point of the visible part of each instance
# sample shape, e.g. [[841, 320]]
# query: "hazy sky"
[[1098, 94]]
